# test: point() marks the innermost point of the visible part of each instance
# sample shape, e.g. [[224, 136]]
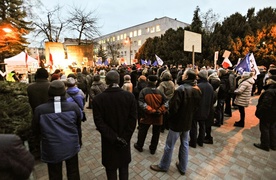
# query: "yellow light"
[[7, 30]]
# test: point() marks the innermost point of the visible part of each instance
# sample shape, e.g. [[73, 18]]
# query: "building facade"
[[132, 38]]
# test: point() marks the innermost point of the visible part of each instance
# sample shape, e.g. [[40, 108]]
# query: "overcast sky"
[[114, 15]]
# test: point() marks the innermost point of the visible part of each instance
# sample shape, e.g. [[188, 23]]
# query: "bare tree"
[[85, 23], [113, 48], [53, 26], [209, 20]]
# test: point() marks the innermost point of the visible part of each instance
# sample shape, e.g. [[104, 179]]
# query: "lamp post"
[[128, 40]]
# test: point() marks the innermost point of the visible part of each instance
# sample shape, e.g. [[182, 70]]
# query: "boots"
[[239, 123]]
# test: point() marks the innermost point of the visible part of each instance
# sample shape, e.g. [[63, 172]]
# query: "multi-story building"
[[132, 38]]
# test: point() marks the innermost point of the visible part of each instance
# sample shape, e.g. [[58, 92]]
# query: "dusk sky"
[[114, 15]]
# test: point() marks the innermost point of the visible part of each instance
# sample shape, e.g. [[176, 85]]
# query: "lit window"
[[139, 42], [135, 33], [139, 32], [113, 38], [148, 30], [125, 36], [118, 38], [158, 28], [122, 36], [104, 48], [152, 29], [100, 42], [130, 34]]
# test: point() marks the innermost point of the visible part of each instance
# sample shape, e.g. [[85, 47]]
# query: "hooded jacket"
[[243, 92]]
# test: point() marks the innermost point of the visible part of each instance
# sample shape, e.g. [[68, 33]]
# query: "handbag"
[[83, 113]]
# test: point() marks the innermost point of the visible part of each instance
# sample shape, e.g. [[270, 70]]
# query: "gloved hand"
[[120, 142]]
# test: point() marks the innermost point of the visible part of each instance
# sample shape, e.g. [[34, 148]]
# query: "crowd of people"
[[185, 101]]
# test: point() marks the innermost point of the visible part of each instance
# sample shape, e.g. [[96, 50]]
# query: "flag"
[[51, 61], [155, 63], [226, 63], [159, 60], [106, 62], [142, 61], [26, 58], [148, 62], [254, 66], [99, 62], [244, 65], [38, 58]]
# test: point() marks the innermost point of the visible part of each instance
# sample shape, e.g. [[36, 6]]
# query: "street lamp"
[[128, 40]]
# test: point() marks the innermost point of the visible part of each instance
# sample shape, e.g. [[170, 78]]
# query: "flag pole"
[[193, 51]]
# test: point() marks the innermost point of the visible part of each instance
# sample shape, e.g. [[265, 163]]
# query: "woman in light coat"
[[243, 94]]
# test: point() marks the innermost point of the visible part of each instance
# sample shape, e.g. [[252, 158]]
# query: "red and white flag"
[[51, 61], [226, 63], [26, 58], [38, 58]]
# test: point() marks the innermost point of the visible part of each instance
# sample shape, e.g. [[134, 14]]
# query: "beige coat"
[[243, 92]]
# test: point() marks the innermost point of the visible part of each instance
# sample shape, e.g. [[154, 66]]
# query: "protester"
[[16, 161], [114, 112], [154, 104], [97, 87], [266, 113], [37, 94], [183, 105], [58, 123], [167, 88], [127, 86], [243, 94], [204, 109], [230, 94]]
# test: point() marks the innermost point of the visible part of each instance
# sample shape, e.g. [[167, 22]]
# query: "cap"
[[71, 81], [203, 74], [56, 88], [112, 77]]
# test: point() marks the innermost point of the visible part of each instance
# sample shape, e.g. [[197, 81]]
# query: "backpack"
[[81, 82]]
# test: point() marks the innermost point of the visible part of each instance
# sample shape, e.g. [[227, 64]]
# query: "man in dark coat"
[[203, 111], [16, 161], [115, 114], [266, 113], [38, 94]]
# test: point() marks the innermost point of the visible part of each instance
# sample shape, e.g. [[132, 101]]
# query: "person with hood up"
[[266, 113], [243, 94]]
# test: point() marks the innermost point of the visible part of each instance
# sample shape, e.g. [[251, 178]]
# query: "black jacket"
[[183, 105]]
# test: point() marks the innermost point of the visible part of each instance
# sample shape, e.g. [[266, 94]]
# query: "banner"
[[159, 60]]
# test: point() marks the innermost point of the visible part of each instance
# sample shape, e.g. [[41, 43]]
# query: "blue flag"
[[148, 62], [106, 62], [155, 63], [244, 65], [142, 61]]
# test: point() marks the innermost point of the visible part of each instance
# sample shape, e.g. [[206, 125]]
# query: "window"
[[139, 42], [122, 36], [118, 38], [131, 34], [139, 32], [152, 29], [158, 28], [125, 36], [113, 38], [148, 30], [135, 33]]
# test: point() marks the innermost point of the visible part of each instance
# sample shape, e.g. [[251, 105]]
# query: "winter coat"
[[74, 94], [224, 86], [232, 81], [97, 88], [127, 86], [152, 100], [243, 92], [115, 113], [183, 105], [16, 161], [59, 132], [266, 107], [167, 88], [207, 100], [38, 92]]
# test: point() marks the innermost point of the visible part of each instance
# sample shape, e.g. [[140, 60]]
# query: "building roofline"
[[140, 25]]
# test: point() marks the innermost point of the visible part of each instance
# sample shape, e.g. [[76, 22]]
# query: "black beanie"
[[41, 73], [56, 88], [112, 77]]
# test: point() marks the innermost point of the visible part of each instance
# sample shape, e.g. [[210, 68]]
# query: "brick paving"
[[232, 156]]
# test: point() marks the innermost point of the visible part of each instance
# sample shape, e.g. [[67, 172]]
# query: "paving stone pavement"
[[232, 156]]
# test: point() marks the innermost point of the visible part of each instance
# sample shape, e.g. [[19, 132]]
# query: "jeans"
[[72, 168], [182, 153]]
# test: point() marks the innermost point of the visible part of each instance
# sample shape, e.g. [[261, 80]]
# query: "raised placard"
[[191, 40]]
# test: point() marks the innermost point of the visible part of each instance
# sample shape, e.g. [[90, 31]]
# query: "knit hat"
[[71, 81], [56, 88], [96, 77], [112, 77], [203, 74], [41, 73], [152, 78]]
